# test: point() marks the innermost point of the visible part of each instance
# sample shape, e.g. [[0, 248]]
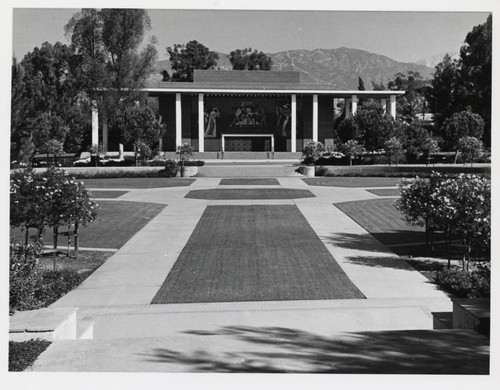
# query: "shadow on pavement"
[[271, 349]]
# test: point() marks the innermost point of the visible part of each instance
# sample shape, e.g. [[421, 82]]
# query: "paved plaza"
[[387, 328]]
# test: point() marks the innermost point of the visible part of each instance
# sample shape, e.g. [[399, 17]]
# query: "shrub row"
[[464, 284], [31, 287], [398, 171]]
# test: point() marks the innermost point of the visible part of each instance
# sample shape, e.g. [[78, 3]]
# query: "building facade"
[[253, 111]]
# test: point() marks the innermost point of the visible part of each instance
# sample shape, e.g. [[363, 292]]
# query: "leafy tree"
[[112, 67], [186, 58], [428, 147], [379, 86], [247, 59], [352, 149], [142, 128], [417, 141], [361, 84], [373, 127], [476, 72], [346, 129], [470, 148], [442, 94], [413, 101], [394, 149], [45, 101], [463, 124]]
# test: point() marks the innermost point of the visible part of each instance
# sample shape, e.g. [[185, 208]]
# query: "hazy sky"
[[403, 36]]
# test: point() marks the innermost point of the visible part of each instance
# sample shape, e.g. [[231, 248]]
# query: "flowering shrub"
[[171, 169], [51, 198], [475, 284], [459, 205]]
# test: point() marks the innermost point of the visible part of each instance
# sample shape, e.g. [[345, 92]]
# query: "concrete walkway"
[[114, 310]]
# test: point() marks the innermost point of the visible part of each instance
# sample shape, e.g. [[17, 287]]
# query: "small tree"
[[428, 147], [462, 124], [470, 148], [312, 151], [394, 149], [185, 152], [54, 147], [352, 149], [141, 127], [418, 203]]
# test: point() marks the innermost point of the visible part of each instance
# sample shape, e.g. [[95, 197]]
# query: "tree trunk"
[[76, 239], [456, 157]]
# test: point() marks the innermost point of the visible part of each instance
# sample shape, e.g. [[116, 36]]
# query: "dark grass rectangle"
[[353, 182], [116, 223], [254, 253], [249, 182], [385, 191], [107, 194], [243, 193], [141, 182], [386, 223]]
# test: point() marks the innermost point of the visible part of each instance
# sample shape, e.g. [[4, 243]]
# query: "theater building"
[[271, 111]]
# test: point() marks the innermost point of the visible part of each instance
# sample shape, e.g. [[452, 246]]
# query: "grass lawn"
[[382, 220], [257, 193], [385, 191], [140, 182], [249, 182], [254, 253], [107, 194], [116, 223], [353, 181]]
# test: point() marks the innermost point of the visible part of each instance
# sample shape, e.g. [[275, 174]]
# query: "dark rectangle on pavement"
[[250, 182], [254, 253], [352, 182], [249, 193]]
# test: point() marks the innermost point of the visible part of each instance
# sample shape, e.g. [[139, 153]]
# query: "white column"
[[315, 118], [95, 124], [354, 104], [347, 104], [178, 120], [293, 135], [383, 103], [393, 106], [105, 131], [201, 124], [120, 152]]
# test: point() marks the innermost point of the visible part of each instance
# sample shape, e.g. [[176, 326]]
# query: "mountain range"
[[340, 67]]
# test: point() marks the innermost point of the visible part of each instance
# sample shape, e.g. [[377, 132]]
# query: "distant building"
[[252, 111]]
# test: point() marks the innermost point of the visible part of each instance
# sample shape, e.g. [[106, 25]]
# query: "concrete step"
[[239, 156], [245, 170], [273, 349], [322, 317]]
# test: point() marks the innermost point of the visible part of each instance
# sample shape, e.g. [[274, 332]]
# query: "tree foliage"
[[186, 58], [470, 148], [112, 66], [141, 128], [352, 149], [413, 101], [463, 124], [248, 59]]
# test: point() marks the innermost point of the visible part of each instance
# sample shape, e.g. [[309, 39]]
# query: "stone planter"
[[189, 171], [308, 171]]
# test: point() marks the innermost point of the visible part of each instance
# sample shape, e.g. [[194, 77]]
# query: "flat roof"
[[254, 88]]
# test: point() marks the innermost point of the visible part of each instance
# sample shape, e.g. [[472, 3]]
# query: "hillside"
[[338, 67]]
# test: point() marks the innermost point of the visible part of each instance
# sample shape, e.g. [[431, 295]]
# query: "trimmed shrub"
[[24, 276], [23, 354], [464, 284], [171, 169], [194, 163], [54, 284]]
